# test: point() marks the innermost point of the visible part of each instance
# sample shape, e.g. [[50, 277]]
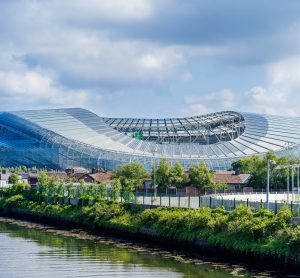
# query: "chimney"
[[237, 172], [94, 171]]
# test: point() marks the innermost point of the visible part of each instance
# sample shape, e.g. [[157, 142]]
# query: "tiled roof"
[[102, 177], [77, 176], [231, 178], [98, 177], [60, 175]]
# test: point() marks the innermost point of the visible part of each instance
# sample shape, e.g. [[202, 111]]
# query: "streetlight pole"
[[154, 181], [288, 185], [292, 183], [273, 163], [297, 181], [287, 168], [154, 171], [268, 184]]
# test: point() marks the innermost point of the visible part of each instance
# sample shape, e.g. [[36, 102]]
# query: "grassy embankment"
[[243, 230]]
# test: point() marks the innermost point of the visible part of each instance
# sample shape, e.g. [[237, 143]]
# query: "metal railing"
[[149, 200]]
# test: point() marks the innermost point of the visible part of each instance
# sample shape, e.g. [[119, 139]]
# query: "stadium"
[[59, 138]]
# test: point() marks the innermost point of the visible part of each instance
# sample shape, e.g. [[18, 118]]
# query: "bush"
[[150, 217], [102, 211], [14, 201], [19, 188], [2, 203], [242, 229]]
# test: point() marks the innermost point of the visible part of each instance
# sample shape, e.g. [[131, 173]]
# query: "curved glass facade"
[[57, 138]]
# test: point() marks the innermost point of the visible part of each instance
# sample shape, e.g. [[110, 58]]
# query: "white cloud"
[[186, 76], [54, 62], [264, 100], [279, 96], [54, 38], [150, 62], [91, 57], [217, 101], [60, 53], [115, 10], [285, 73], [33, 88]]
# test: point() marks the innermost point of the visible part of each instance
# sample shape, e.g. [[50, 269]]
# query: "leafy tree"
[[24, 168], [103, 190], [43, 179], [13, 178], [115, 190], [82, 188], [53, 185], [200, 176], [61, 188], [33, 169], [131, 175], [257, 167], [69, 187], [178, 177], [237, 165], [218, 186], [164, 174], [20, 187]]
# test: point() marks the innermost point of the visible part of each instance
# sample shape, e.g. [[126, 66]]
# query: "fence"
[[75, 196]]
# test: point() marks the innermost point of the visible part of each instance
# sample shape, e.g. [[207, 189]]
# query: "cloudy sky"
[[151, 58]]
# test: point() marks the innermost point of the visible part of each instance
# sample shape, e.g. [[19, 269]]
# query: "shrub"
[[19, 188], [115, 190], [14, 201], [150, 217], [103, 211], [242, 229]]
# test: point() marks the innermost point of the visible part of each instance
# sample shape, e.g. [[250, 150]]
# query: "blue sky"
[[151, 58]]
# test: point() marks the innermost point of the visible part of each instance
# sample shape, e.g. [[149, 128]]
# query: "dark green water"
[[26, 252]]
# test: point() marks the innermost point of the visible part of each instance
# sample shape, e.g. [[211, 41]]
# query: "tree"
[[178, 177], [131, 175], [20, 187], [82, 188], [115, 190], [69, 187], [219, 186], [103, 191], [257, 167], [200, 176], [163, 174], [237, 165], [13, 178], [43, 180]]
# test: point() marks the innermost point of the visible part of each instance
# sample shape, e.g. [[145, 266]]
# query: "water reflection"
[[33, 253]]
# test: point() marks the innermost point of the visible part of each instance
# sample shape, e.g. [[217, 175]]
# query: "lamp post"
[[269, 163], [287, 168], [154, 171], [288, 185], [292, 184], [297, 180]]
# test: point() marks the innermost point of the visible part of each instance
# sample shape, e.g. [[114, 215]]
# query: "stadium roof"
[[218, 136]]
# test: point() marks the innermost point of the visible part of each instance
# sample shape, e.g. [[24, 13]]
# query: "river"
[[29, 252]]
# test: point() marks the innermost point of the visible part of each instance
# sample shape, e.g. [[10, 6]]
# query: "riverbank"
[[78, 252], [261, 238]]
